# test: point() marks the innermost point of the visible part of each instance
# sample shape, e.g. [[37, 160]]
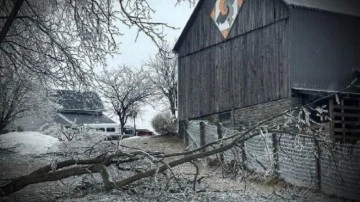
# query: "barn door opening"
[[345, 119]]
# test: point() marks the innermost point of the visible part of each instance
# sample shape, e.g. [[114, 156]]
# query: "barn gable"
[[249, 19], [217, 74], [201, 31]]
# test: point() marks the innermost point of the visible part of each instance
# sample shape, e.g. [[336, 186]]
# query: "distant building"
[[79, 108]]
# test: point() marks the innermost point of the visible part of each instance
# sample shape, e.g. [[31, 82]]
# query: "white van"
[[112, 130]]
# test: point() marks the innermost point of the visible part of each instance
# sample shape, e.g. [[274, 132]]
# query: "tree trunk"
[[172, 108], [5, 29], [172, 105], [122, 126], [21, 182]]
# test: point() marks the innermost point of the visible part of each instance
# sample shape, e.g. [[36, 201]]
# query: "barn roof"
[[347, 7]]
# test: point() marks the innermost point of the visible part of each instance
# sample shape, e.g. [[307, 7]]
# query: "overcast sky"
[[134, 53]]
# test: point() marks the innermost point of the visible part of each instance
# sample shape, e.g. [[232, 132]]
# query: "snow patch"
[[133, 137], [29, 142]]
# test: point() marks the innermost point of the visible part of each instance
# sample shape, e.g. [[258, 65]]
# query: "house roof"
[[75, 100], [347, 7], [80, 119]]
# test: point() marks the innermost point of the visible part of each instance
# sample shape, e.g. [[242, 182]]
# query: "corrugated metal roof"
[[348, 7]]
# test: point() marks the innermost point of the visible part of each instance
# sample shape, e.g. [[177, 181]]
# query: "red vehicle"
[[144, 132]]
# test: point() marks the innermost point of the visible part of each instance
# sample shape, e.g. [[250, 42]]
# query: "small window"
[[110, 129], [100, 129], [224, 116]]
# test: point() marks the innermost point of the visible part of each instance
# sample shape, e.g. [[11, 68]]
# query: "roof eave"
[[292, 5], [187, 26]]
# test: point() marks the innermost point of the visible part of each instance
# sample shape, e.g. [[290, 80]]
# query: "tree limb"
[[5, 29]]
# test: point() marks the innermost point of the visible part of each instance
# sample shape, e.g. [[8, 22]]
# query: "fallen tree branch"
[[98, 165], [21, 182]]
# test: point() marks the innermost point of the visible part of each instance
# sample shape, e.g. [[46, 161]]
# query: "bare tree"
[[21, 95], [164, 75], [62, 41], [125, 89]]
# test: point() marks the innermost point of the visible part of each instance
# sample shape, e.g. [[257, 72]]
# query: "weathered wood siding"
[[324, 49], [250, 67], [253, 15]]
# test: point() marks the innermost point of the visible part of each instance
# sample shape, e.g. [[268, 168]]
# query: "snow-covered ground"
[[29, 142], [212, 187]]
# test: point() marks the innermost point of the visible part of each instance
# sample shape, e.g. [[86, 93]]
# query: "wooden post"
[[243, 155], [202, 135], [184, 134], [233, 118], [220, 136], [343, 120], [275, 154], [331, 114], [318, 163]]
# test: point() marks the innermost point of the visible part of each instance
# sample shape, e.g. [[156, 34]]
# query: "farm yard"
[[181, 100], [213, 184]]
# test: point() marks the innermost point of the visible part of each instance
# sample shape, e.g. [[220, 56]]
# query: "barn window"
[[345, 116], [224, 117]]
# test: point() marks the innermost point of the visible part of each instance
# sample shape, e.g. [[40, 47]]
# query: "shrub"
[[164, 124], [74, 133]]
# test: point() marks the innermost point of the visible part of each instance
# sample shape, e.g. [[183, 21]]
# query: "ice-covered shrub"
[[164, 124]]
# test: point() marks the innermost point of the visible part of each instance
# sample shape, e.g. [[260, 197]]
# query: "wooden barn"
[[242, 61]]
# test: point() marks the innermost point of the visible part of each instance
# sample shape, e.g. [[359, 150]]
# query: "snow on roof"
[[29, 142], [76, 100], [81, 119]]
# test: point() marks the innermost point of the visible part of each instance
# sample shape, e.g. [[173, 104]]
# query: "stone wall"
[[244, 117], [251, 115]]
